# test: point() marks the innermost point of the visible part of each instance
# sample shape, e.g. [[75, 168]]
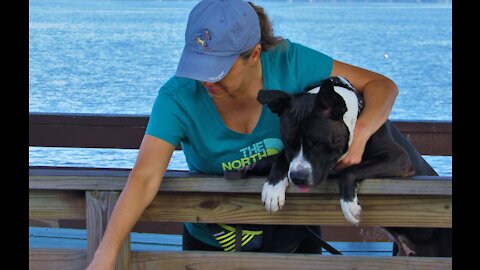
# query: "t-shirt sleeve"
[[311, 66], [166, 119]]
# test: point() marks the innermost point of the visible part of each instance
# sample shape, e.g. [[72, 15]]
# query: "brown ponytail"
[[267, 40]]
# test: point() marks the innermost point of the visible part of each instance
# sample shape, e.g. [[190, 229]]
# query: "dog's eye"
[[316, 143]]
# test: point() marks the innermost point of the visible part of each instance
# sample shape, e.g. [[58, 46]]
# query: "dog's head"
[[312, 131]]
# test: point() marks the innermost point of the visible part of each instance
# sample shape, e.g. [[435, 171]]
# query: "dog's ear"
[[276, 100], [330, 102]]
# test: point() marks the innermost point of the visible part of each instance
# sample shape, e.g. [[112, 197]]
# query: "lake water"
[[112, 57]]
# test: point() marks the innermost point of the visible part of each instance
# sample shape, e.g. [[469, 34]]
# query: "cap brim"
[[203, 67]]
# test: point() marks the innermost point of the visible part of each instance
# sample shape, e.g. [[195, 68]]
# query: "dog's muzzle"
[[299, 178]]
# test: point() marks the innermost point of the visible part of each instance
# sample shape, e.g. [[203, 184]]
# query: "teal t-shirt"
[[183, 113]]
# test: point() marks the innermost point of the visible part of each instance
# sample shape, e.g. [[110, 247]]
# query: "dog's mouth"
[[302, 185], [303, 188]]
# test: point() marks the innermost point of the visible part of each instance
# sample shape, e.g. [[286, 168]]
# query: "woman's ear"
[[255, 56]]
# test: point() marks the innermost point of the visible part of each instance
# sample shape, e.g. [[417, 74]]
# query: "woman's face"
[[231, 82]]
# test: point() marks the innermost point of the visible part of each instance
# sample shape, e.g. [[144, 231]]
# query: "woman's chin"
[[216, 92]]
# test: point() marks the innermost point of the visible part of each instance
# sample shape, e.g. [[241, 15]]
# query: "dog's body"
[[316, 135], [316, 131]]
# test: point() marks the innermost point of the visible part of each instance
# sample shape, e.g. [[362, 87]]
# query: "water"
[[112, 57]]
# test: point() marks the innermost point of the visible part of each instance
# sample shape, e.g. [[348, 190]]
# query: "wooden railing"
[[90, 194]]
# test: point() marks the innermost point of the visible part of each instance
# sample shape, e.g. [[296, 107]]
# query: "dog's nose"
[[299, 178]]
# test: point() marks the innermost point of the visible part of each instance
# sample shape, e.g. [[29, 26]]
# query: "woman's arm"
[[142, 186], [379, 93]]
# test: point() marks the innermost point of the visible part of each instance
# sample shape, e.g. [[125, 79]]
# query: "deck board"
[[57, 178]]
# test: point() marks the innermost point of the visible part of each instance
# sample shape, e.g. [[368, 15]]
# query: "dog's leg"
[[385, 158], [273, 193], [351, 209], [349, 179]]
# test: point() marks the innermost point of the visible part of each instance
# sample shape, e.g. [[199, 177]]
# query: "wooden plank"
[[181, 181], [53, 259], [264, 261], [306, 209], [59, 204], [301, 209], [50, 223], [99, 207], [86, 130], [126, 131], [429, 137]]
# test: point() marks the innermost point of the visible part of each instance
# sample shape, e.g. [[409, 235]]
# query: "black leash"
[[324, 244]]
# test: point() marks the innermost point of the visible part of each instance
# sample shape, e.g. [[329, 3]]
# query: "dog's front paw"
[[351, 210], [273, 196]]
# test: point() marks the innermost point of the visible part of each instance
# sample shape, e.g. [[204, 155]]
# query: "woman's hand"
[[142, 185], [355, 151], [379, 93], [101, 263]]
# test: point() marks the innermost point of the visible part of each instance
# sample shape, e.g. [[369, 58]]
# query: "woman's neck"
[[240, 111], [248, 90]]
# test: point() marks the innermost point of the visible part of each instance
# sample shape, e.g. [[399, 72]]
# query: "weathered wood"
[[126, 131], [428, 137], [247, 260], [86, 130], [308, 209], [53, 259], [48, 223], [48, 204], [305, 209], [181, 181], [99, 207], [41, 259], [387, 202]]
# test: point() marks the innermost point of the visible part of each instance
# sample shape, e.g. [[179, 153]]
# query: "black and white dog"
[[316, 131]]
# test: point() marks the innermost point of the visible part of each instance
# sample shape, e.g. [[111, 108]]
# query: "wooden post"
[[99, 205]]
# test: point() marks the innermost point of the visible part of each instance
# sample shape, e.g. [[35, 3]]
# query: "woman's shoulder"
[[285, 49], [183, 92], [283, 45], [176, 86]]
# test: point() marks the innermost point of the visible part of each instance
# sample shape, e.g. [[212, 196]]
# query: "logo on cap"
[[202, 38]]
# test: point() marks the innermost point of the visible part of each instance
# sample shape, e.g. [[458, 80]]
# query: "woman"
[[210, 107]]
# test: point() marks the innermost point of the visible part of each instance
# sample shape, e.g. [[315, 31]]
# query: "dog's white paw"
[[273, 196], [351, 210]]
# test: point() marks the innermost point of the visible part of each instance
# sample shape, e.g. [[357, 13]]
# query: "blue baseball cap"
[[217, 32]]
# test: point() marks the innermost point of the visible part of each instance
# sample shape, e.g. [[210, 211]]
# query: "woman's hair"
[[267, 39]]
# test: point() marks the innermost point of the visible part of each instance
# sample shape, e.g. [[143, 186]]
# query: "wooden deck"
[[68, 248], [88, 195]]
